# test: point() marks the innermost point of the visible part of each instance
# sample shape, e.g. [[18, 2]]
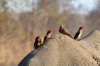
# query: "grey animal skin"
[[62, 50]]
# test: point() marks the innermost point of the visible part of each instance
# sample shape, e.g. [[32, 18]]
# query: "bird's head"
[[49, 31], [38, 38], [61, 26], [81, 27]]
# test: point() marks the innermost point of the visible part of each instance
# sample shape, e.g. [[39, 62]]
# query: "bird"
[[38, 42], [63, 31], [48, 34], [79, 33]]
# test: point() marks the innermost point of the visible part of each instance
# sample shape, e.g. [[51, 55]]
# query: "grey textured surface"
[[61, 50]]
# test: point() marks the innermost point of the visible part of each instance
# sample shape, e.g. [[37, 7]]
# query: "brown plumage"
[[63, 31], [48, 35], [38, 42], [78, 33]]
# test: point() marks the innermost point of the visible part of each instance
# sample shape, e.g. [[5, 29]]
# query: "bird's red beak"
[[50, 30]]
